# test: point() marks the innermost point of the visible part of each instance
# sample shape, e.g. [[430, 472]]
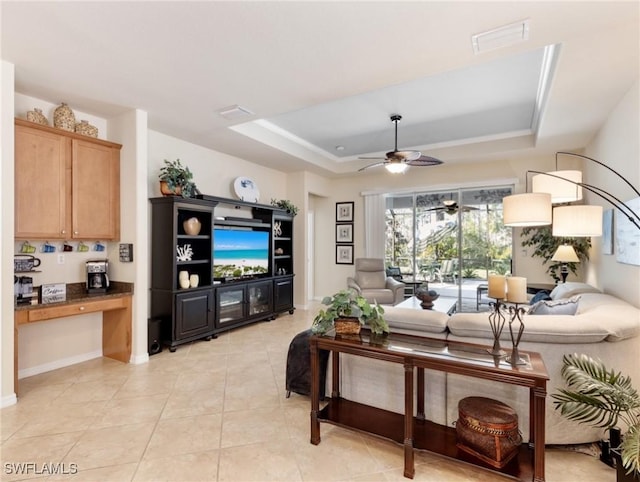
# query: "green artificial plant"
[[286, 205], [347, 303], [545, 245], [601, 397], [178, 178]]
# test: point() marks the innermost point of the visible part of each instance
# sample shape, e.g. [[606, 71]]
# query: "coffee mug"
[[82, 247]]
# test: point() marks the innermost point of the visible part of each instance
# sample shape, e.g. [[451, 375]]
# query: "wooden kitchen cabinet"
[[67, 186]]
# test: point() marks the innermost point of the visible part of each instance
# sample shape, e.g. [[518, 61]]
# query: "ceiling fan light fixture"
[[396, 167]]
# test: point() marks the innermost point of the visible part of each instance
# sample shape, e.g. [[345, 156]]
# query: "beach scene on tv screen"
[[239, 253]]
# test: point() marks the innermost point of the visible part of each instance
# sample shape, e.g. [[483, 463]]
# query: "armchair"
[[371, 282]]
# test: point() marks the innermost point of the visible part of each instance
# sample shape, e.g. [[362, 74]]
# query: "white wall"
[[7, 73], [617, 144]]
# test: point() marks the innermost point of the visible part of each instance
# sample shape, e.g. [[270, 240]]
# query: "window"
[[424, 239]]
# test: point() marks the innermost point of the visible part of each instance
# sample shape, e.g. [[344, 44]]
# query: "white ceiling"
[[321, 74]]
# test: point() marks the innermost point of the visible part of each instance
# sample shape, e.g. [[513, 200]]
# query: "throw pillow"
[[571, 288], [557, 307], [539, 296]]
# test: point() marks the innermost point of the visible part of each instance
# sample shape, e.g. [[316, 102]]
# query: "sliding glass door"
[[451, 239]]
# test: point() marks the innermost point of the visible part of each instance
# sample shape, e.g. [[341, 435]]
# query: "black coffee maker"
[[97, 275]]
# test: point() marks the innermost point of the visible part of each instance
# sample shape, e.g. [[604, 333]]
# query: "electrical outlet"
[[61, 259]]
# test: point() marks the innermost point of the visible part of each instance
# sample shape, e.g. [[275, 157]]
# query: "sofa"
[[603, 327]]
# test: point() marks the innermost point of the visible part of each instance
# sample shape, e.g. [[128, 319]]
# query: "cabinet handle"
[[75, 232], [82, 308], [64, 231]]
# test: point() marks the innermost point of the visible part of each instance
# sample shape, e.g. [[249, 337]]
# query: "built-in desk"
[[115, 306]]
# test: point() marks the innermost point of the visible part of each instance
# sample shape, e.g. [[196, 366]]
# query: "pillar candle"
[[516, 289], [496, 286]]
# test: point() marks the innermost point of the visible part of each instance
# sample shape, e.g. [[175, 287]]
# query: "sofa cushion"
[[419, 321], [572, 288], [555, 307]]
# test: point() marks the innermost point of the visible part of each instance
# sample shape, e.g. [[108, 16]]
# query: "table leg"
[[420, 407], [335, 374], [315, 391], [537, 397], [409, 468]]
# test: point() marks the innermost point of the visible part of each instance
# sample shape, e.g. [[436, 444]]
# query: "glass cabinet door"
[[230, 304], [260, 297]]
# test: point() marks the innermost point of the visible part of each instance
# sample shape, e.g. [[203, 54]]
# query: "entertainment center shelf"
[[243, 266]]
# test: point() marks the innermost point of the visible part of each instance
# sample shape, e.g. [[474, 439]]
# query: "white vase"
[[183, 275], [194, 279], [184, 283]]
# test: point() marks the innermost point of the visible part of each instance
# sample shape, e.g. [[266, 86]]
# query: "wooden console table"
[[417, 432], [115, 306]]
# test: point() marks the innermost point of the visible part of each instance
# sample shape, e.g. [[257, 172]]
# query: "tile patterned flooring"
[[213, 411]]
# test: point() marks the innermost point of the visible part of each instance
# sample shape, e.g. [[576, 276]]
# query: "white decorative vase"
[[194, 279]]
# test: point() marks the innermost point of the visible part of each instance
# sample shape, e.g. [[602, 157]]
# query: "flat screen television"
[[239, 252]]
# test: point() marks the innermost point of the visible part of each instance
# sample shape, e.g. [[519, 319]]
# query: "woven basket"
[[347, 326], [488, 429], [64, 118]]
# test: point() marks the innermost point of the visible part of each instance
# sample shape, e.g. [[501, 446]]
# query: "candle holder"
[[496, 321], [516, 313]]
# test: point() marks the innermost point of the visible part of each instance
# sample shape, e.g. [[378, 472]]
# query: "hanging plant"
[[545, 244]]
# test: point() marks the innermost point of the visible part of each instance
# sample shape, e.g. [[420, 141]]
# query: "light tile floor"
[[210, 411]]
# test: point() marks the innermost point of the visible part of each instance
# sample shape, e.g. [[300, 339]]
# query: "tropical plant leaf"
[[630, 450], [599, 396]]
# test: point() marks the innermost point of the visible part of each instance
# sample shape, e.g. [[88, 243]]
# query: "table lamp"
[[565, 254]]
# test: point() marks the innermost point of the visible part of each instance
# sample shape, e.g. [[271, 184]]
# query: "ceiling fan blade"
[[469, 208], [376, 164], [440, 208], [376, 157], [424, 161]]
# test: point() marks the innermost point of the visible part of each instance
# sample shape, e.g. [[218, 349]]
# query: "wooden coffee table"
[[444, 304]]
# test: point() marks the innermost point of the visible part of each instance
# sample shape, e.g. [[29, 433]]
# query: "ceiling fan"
[[451, 207], [397, 161]]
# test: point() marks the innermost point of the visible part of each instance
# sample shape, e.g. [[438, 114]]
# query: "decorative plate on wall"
[[246, 189]]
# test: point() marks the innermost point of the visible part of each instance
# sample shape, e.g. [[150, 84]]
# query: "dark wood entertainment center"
[[215, 305]]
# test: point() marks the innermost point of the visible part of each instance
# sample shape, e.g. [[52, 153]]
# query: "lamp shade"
[[396, 167], [561, 191], [577, 221], [530, 209], [565, 254]]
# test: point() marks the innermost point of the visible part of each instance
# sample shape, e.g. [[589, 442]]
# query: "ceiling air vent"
[[500, 37], [235, 112]]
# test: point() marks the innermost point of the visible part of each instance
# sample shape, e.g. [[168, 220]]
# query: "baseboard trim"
[[9, 400], [54, 365]]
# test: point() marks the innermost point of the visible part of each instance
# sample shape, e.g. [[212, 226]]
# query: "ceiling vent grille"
[[500, 37], [235, 112]]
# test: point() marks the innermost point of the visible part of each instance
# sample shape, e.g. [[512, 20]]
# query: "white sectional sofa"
[[604, 327]]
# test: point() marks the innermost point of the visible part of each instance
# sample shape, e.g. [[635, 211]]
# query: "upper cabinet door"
[[95, 190], [42, 184]]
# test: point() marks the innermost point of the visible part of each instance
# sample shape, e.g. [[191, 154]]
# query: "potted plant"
[[286, 205], [601, 397], [348, 304], [176, 180]]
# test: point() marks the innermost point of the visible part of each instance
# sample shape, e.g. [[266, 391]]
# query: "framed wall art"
[[627, 237], [344, 254], [344, 212], [607, 231], [344, 233]]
